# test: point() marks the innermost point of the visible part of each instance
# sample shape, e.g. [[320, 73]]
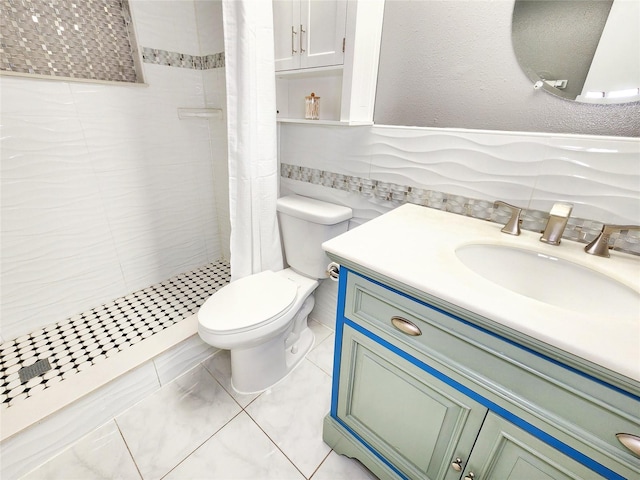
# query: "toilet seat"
[[247, 303]]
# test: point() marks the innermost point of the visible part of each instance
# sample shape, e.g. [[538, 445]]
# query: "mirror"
[[582, 50]]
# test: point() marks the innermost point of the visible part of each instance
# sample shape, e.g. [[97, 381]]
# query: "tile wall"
[[373, 169], [90, 39], [105, 191], [376, 168]]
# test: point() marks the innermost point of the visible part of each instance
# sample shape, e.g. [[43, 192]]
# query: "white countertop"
[[416, 246]]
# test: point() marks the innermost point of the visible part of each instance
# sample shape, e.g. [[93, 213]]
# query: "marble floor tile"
[[339, 467], [319, 330], [322, 354], [239, 451], [219, 365], [169, 425], [101, 454], [292, 412]]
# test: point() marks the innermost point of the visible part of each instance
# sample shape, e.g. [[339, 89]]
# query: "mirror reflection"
[[583, 50]]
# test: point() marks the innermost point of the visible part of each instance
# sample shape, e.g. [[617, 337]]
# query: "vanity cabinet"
[[309, 33], [413, 420], [330, 48], [421, 392]]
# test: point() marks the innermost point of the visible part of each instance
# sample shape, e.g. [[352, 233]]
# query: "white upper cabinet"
[[329, 48], [309, 33]]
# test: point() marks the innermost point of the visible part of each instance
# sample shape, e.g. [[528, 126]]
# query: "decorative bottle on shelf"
[[312, 107]]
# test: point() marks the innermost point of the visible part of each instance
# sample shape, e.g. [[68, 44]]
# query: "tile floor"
[[76, 343], [197, 427]]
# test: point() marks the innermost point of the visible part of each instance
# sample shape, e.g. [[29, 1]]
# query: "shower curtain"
[[251, 125]]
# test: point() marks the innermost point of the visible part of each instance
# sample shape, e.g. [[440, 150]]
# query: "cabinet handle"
[[632, 442], [302, 50], [293, 43], [471, 476], [405, 326], [457, 464]]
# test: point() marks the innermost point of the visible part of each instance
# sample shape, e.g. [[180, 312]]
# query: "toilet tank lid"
[[313, 210]]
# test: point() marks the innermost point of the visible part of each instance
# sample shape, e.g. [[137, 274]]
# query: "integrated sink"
[[551, 280]]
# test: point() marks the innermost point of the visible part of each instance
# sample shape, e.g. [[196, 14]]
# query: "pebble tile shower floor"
[[77, 343]]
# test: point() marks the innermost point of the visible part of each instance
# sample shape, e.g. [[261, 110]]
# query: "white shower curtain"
[[251, 124]]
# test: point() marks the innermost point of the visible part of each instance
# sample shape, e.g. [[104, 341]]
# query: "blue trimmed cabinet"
[[423, 392]]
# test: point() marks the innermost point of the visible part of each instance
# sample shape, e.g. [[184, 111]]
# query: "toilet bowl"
[[262, 318]]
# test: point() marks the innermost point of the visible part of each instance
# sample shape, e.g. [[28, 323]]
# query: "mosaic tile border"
[[578, 229], [182, 60], [92, 39], [75, 344]]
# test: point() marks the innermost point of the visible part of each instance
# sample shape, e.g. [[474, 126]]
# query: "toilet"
[[262, 318]]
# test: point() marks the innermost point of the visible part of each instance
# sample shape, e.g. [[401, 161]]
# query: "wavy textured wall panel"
[[48, 203], [104, 191], [465, 171]]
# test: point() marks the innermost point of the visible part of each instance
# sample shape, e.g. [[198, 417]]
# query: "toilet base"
[[260, 367]]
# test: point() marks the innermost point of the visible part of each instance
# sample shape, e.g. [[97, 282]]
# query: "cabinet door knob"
[[405, 326], [457, 464], [632, 442], [470, 476]]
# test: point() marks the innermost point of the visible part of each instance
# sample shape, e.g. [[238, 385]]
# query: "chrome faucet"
[[512, 227], [558, 218], [600, 245]]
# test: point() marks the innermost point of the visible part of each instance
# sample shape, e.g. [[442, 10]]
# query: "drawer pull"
[[405, 326], [632, 442], [471, 476]]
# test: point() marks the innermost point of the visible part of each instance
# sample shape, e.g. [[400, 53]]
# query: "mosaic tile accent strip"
[[90, 39], [182, 60], [578, 229], [75, 344]]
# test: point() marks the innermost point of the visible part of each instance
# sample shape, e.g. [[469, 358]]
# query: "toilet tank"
[[305, 223]]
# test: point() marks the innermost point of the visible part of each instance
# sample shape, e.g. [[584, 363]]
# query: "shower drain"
[[32, 371]]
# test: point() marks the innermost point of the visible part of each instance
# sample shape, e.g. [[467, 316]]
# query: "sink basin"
[[551, 280]]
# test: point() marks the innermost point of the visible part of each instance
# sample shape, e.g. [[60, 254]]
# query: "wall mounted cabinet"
[[330, 48], [309, 33], [421, 393]]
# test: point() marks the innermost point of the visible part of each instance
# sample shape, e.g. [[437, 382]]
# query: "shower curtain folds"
[[252, 136]]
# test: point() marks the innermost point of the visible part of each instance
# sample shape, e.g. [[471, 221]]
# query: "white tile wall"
[[215, 97], [600, 175], [166, 25], [104, 189], [210, 32]]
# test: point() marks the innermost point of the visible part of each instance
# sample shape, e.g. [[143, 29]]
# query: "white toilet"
[[262, 318]]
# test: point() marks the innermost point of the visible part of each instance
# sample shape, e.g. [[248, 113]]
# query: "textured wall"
[[89, 39], [104, 189], [549, 43], [451, 65], [371, 169]]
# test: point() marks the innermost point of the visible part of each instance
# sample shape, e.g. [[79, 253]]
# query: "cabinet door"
[[322, 30], [417, 422], [505, 452], [286, 34]]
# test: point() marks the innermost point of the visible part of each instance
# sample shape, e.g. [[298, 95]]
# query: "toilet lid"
[[247, 302]]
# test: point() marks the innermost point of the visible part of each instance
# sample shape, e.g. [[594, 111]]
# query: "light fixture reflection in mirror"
[[582, 50]]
